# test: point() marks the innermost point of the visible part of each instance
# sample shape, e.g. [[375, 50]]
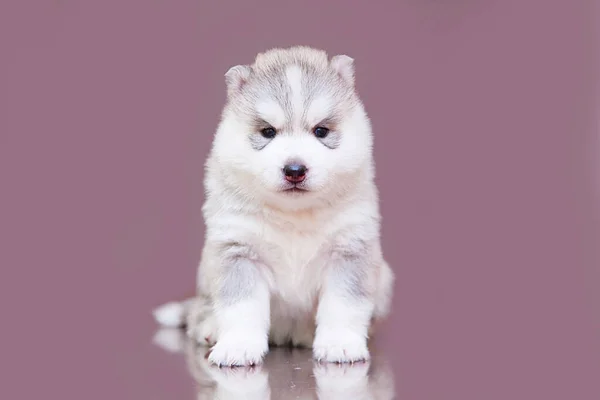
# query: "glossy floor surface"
[[486, 116], [285, 374]]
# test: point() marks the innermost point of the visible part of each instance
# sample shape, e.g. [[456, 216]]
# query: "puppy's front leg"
[[345, 310], [242, 309]]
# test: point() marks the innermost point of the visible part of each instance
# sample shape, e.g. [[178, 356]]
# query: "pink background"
[[486, 116]]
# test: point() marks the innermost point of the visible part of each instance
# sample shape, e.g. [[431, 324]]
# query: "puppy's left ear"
[[344, 66], [236, 77]]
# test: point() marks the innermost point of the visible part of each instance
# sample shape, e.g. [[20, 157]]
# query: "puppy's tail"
[[172, 314]]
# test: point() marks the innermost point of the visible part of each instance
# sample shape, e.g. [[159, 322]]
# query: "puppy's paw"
[[340, 346], [239, 349], [204, 332]]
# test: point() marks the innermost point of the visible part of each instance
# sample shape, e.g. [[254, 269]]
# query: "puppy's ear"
[[236, 77], [344, 66]]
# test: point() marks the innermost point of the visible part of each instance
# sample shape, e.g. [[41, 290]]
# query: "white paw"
[[239, 349], [340, 346]]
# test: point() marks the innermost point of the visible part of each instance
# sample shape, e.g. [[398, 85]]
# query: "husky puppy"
[[292, 252]]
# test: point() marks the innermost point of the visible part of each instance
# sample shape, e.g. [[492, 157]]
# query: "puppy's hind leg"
[[200, 322]]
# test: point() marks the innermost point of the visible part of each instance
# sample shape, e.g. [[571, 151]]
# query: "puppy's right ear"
[[344, 66], [236, 77]]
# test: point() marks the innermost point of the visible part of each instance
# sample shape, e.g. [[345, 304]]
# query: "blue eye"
[[268, 133], [321, 132]]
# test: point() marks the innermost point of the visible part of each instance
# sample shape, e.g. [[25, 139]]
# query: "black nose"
[[294, 173]]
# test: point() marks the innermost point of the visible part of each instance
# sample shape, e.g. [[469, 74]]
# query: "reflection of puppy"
[[292, 251], [285, 374]]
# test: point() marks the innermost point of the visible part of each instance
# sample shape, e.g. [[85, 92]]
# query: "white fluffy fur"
[[284, 267]]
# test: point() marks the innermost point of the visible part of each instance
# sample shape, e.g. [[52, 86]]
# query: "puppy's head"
[[294, 133]]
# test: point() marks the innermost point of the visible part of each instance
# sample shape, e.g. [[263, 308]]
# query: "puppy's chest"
[[296, 261]]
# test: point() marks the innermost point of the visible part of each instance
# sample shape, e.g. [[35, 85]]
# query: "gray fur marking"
[[332, 140], [258, 142], [268, 80], [348, 273], [240, 274]]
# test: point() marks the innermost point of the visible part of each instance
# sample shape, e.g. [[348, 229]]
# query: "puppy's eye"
[[320, 132], [268, 133]]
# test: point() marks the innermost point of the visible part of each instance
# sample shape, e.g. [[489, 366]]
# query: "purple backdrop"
[[485, 114]]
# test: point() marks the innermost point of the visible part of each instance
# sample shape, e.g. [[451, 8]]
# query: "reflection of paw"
[[226, 383], [340, 346], [351, 372], [341, 377], [239, 349], [240, 379]]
